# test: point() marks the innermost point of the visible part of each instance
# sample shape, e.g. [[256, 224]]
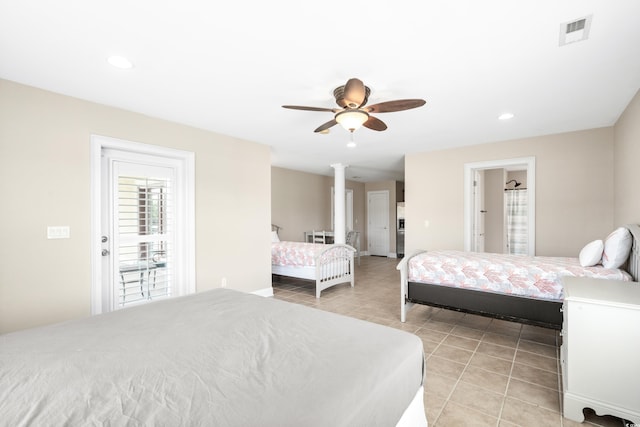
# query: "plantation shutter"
[[144, 225]]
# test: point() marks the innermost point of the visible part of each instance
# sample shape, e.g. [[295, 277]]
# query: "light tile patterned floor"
[[480, 371]]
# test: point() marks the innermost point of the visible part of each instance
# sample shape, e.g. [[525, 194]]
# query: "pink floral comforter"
[[297, 254], [536, 277]]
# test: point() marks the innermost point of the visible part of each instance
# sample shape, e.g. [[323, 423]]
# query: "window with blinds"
[[145, 225]]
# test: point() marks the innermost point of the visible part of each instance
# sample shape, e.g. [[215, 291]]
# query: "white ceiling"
[[229, 67]]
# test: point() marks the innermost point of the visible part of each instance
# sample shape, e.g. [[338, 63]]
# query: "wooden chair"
[[318, 237]]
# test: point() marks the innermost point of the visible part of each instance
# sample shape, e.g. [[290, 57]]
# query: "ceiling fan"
[[352, 98]]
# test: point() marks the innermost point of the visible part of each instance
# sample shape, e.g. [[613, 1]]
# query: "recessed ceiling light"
[[120, 62], [505, 116], [351, 144]]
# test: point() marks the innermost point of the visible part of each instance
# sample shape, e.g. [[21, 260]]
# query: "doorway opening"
[[500, 217]]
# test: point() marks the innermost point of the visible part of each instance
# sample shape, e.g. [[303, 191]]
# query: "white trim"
[[528, 163], [265, 292], [186, 243]]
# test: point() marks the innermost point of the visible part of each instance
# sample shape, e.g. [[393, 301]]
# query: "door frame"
[[478, 225], [185, 239], [524, 163]]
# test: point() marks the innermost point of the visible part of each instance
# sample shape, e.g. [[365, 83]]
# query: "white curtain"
[[516, 218]]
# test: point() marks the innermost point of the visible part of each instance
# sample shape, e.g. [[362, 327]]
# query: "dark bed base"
[[546, 314]]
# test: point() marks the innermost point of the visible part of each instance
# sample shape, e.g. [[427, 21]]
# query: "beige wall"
[[626, 162], [574, 190], [301, 202], [494, 207], [45, 180], [519, 176]]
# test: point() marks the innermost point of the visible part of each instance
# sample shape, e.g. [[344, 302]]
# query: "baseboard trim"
[[266, 292]]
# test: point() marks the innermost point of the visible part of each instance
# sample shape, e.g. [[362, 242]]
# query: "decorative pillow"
[[617, 246], [591, 254], [274, 237]]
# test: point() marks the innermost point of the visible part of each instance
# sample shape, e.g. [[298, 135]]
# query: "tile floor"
[[480, 371]]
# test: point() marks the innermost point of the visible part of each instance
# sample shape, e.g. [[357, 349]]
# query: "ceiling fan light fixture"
[[352, 113], [351, 143], [352, 120]]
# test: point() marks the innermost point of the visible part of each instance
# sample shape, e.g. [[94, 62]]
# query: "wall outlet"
[[58, 232]]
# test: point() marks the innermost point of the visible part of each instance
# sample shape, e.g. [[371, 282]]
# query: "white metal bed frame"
[[333, 265]]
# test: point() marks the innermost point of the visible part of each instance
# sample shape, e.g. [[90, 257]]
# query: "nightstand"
[[600, 352]]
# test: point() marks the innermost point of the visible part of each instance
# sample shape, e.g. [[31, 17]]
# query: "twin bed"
[[216, 358], [327, 265], [512, 287]]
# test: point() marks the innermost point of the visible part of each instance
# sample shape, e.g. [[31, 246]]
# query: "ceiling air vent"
[[575, 31]]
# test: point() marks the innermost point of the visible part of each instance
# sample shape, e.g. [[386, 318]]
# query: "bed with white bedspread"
[[216, 358], [328, 265]]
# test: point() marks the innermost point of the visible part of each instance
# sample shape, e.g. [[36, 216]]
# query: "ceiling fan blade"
[[375, 124], [299, 107], [327, 125], [355, 93], [398, 105]]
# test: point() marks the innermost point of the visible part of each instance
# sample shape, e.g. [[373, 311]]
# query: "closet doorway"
[[500, 206]]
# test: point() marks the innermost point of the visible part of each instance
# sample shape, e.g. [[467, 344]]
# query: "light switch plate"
[[58, 232]]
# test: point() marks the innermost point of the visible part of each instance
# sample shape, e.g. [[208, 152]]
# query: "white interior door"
[[143, 230], [378, 229]]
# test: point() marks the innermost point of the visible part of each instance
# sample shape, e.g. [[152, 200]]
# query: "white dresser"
[[600, 352]]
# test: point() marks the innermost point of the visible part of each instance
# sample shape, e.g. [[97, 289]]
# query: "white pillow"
[[591, 254], [616, 248], [274, 237]]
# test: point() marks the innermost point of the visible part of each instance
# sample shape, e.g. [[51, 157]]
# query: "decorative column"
[[340, 231]]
